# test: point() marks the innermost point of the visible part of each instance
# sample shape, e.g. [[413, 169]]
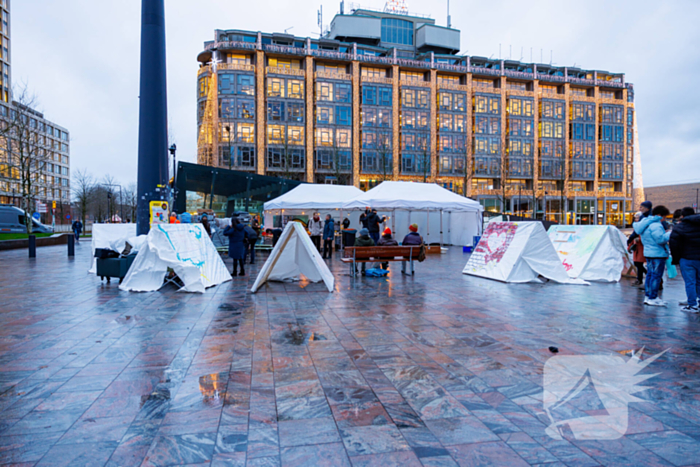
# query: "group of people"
[[655, 240], [241, 242], [366, 238]]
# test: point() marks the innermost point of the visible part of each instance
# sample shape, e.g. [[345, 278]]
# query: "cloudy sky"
[[81, 60]]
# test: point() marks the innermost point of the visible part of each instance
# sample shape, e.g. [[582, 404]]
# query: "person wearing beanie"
[[645, 208], [387, 240], [363, 240], [413, 237]]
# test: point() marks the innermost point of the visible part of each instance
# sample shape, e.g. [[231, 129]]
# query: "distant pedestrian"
[[205, 224], [77, 229], [655, 239], [251, 240], [364, 217], [328, 237], [346, 223], [236, 245], [677, 215], [685, 250], [637, 249], [316, 230]]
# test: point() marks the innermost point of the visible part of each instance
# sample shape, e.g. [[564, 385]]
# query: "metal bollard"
[[32, 246], [71, 245]]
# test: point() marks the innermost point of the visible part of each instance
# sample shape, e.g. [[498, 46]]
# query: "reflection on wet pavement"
[[436, 369]]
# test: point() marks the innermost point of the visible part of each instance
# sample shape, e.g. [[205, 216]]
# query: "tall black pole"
[[153, 113]]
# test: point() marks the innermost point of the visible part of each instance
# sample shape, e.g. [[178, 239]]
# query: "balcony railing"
[[285, 71], [410, 63]]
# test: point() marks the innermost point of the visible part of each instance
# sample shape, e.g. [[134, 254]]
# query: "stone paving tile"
[[439, 369]]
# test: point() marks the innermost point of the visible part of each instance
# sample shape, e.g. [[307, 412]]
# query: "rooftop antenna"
[[499, 50], [551, 56], [530, 54], [541, 59], [510, 52], [521, 54], [342, 7], [291, 27], [320, 20], [449, 18]]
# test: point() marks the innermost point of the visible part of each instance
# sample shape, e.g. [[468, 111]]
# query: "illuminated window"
[[275, 87], [295, 89], [324, 91], [343, 139], [448, 79], [275, 134], [239, 59], [515, 86], [578, 92], [408, 97], [412, 76], [324, 137], [373, 72], [483, 83], [284, 63], [325, 114], [295, 135]]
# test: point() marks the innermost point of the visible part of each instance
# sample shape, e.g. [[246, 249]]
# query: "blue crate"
[[467, 249]]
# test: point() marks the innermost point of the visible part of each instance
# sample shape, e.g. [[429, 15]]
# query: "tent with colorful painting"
[[517, 252], [182, 250], [591, 252]]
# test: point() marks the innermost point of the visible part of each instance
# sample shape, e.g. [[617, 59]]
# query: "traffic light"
[[54, 204]]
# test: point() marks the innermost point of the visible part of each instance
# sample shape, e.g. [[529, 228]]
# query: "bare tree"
[[130, 200], [383, 152], [26, 151], [83, 192]]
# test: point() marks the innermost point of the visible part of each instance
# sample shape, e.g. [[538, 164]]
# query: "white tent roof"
[[314, 196], [412, 196]]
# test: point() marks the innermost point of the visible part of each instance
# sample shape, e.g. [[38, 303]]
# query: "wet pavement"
[[438, 369]]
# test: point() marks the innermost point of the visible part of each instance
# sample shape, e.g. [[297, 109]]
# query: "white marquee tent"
[[517, 252], [308, 198], [293, 256], [591, 252], [442, 216]]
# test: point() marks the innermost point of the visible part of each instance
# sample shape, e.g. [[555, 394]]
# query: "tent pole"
[[440, 228], [427, 227], [393, 222]]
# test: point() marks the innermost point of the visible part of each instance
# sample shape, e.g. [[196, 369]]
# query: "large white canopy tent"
[[308, 198], [442, 216]]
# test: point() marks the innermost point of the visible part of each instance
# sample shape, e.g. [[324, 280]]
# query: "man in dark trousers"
[[77, 229], [685, 250], [364, 217], [374, 225], [328, 236]]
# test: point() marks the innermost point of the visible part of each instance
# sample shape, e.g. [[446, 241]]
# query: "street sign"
[[36, 216], [41, 207], [68, 216], [695, 206]]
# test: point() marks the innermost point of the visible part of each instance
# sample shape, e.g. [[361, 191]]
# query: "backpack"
[[421, 253], [252, 234]]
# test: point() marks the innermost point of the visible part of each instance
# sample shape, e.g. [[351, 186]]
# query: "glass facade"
[[237, 120], [285, 116], [377, 130], [397, 31], [452, 132], [333, 128], [520, 142], [487, 135], [415, 131], [551, 139]]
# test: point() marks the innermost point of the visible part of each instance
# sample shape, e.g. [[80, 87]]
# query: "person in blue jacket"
[[328, 237], [655, 239], [236, 245]]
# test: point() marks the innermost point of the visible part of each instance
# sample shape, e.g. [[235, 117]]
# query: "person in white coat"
[[316, 230]]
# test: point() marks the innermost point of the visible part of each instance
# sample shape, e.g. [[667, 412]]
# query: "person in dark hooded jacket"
[[685, 250], [236, 245]]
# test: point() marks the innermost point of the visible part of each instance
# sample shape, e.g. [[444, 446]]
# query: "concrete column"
[[260, 113], [395, 120], [309, 85], [356, 118], [433, 126]]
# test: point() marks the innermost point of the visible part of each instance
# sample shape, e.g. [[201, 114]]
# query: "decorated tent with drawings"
[[517, 252], [591, 252]]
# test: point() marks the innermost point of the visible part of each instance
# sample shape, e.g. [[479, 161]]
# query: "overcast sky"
[[81, 59]]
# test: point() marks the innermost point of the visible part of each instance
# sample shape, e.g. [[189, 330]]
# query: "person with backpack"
[[373, 224], [251, 240], [328, 237], [685, 250], [77, 229], [655, 238]]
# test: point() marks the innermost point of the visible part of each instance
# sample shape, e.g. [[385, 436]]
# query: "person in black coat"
[[236, 245], [373, 224], [685, 250]]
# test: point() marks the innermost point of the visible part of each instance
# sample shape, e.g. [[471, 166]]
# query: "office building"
[[51, 150], [385, 95]]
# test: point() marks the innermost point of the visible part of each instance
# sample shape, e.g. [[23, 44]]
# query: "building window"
[[284, 63], [246, 84], [397, 31], [373, 72], [275, 87], [295, 89]]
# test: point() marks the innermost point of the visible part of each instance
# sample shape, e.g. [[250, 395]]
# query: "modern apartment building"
[[51, 142], [384, 95]]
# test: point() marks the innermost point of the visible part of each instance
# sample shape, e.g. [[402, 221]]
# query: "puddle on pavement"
[[213, 387]]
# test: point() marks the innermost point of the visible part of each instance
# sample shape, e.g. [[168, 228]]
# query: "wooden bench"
[[381, 254]]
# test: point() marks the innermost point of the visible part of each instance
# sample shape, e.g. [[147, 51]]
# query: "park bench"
[[381, 254]]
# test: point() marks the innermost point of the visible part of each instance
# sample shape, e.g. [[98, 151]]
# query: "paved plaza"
[[439, 369]]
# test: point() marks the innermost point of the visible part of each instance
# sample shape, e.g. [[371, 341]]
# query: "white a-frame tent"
[[293, 256], [591, 252], [517, 252]]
